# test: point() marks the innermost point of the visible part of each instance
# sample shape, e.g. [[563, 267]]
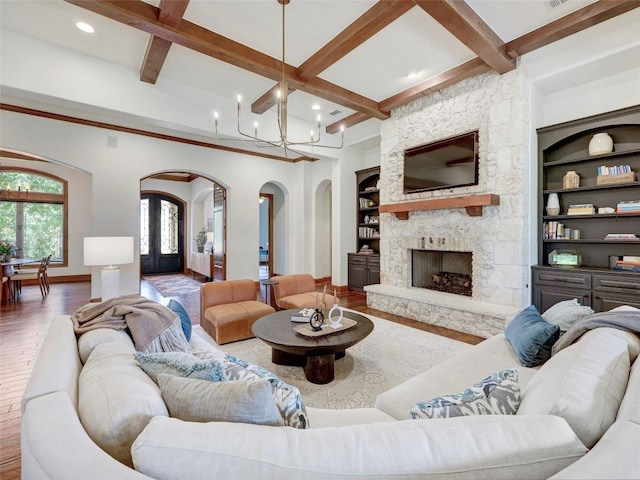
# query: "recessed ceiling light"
[[413, 74], [315, 106], [85, 27]]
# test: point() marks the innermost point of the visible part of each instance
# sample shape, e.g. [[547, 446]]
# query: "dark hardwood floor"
[[24, 323]]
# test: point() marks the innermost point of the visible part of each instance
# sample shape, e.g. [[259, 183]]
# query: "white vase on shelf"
[[553, 204], [600, 144]]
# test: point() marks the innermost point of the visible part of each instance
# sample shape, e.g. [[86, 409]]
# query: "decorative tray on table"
[[308, 331]]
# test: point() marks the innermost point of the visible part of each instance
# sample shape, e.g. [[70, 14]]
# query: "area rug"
[[174, 285], [391, 354]]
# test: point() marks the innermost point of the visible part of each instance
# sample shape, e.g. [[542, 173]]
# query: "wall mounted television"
[[448, 163]]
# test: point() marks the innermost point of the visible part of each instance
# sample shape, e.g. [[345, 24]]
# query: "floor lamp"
[[108, 252]]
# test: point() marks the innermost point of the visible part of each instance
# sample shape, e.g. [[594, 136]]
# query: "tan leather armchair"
[[228, 309], [298, 291]]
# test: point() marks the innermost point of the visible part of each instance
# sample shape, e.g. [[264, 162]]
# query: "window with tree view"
[[32, 213]]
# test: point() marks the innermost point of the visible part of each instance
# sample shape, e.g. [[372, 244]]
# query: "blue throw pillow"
[[531, 337], [185, 321]]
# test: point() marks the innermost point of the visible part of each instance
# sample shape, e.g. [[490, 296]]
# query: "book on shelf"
[[581, 209], [631, 258], [613, 170], [628, 268], [621, 236], [553, 230], [632, 206]]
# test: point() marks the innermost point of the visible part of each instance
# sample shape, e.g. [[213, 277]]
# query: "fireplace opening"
[[443, 271]]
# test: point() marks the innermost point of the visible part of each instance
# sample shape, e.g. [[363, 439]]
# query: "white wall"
[[112, 199]]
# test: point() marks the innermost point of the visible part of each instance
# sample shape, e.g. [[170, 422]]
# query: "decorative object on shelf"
[[366, 219], [600, 144], [612, 179], [565, 259], [571, 180], [603, 210], [553, 204], [575, 234]]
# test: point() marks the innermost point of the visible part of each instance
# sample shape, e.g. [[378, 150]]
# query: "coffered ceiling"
[[355, 59]]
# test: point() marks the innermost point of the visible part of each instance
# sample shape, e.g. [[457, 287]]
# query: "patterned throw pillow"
[[287, 397], [566, 313], [498, 394], [180, 364]]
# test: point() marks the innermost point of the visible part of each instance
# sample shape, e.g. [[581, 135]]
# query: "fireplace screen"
[[443, 271]]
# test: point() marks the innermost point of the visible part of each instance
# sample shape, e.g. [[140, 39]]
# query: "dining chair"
[[39, 275]]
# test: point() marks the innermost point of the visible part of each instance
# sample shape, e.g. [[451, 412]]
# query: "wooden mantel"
[[472, 203]]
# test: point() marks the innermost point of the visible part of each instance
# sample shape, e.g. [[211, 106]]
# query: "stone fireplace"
[[448, 272], [490, 242]]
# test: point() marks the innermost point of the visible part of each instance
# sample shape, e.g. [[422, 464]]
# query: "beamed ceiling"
[[357, 59]]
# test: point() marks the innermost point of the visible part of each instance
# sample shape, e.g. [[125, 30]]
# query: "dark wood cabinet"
[[364, 268], [600, 288], [564, 148]]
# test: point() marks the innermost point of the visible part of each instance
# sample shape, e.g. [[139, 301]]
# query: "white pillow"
[[583, 383], [116, 399], [194, 400], [566, 313]]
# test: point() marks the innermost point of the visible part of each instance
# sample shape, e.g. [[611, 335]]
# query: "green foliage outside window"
[[37, 229]]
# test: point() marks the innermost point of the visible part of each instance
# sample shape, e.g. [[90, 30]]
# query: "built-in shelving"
[[563, 148]]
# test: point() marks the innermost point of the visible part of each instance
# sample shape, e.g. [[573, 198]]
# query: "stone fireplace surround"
[[497, 237]]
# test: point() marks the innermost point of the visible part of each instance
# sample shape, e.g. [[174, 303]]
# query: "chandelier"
[[282, 94]]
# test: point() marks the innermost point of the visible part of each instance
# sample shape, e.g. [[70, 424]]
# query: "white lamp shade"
[[108, 250]]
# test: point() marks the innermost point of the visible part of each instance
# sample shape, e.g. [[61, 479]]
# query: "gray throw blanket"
[[153, 327], [622, 320]]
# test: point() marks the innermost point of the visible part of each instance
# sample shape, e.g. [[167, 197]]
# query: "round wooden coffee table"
[[315, 354]]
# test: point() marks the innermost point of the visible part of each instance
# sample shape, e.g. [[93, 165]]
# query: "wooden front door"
[[161, 234]]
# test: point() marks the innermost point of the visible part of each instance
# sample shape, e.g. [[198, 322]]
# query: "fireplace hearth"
[[448, 272]]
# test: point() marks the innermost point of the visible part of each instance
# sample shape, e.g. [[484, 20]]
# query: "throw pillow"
[[195, 400], [185, 321], [181, 364], [498, 394], [531, 337], [287, 397], [564, 314]]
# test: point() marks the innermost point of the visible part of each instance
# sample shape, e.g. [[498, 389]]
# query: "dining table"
[[8, 270]]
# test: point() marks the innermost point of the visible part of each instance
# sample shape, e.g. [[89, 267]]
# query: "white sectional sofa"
[[579, 418]]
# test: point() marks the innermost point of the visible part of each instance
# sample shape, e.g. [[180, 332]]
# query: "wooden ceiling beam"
[[467, 26], [568, 25], [364, 27], [143, 16], [347, 122], [435, 83], [171, 13]]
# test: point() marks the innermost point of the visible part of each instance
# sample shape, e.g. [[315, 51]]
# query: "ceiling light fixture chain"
[[282, 94]]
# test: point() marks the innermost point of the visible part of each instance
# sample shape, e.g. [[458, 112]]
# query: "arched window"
[[33, 213]]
